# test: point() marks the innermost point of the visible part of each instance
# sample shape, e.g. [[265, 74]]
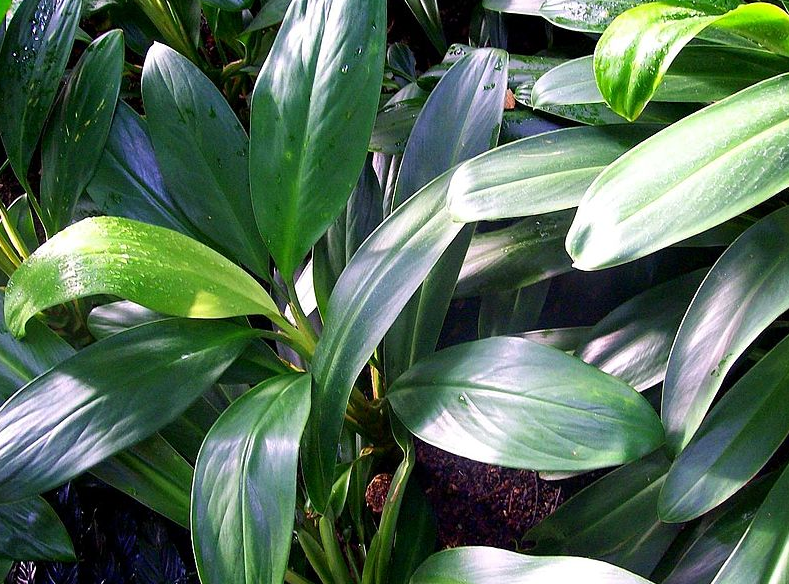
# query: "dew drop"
[[344, 69]]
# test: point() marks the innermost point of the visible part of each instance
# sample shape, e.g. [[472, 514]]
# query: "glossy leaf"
[[581, 15], [733, 443], [635, 52], [426, 13], [21, 217], [33, 57], [516, 403], [760, 554], [107, 397], [522, 123], [372, 290], [244, 492], [614, 519], [111, 319], [31, 530], [739, 298], [416, 535], [272, 12], [540, 174], [78, 127], [313, 110], [564, 339], [633, 341], [513, 311], [128, 181], [202, 152], [229, 5], [155, 474], [525, 253], [637, 206], [158, 268], [394, 124], [484, 565]]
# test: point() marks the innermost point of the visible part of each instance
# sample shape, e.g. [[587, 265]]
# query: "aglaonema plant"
[[202, 382]]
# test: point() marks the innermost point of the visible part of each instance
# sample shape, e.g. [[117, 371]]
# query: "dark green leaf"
[[644, 201], [31, 530], [540, 174], [484, 565], [107, 397], [516, 403], [370, 293], [565, 339], [33, 57], [203, 153], [110, 319], [21, 217], [401, 60], [78, 127], [313, 110], [633, 341], [416, 535], [394, 124], [158, 268], [272, 12], [426, 12], [244, 491], [230, 5], [740, 297], [522, 123], [514, 311], [614, 519]]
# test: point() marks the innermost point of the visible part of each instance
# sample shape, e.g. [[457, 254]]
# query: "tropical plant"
[[245, 326]]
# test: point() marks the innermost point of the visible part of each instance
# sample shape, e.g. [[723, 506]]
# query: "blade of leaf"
[[33, 57], [564, 339], [733, 443], [513, 311], [372, 290], [516, 403], [426, 13], [636, 50], [244, 491], [31, 530], [314, 102], [485, 565], [74, 139], [202, 151], [107, 397], [739, 298], [637, 206], [158, 268]]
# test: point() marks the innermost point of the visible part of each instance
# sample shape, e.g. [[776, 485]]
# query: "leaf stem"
[[336, 561]]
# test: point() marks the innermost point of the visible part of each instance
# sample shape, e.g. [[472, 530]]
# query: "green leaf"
[[760, 556], [484, 565], [699, 74], [111, 319], [527, 252], [733, 443], [522, 123], [513, 311], [155, 474], [393, 125], [78, 127], [739, 298], [33, 57], [540, 174], [203, 153], [635, 52], [633, 341], [516, 403], [31, 530], [244, 491], [21, 217], [416, 535], [564, 339], [426, 13], [313, 111], [107, 397], [372, 290], [158, 268], [128, 181], [614, 519], [644, 201], [271, 13], [230, 5]]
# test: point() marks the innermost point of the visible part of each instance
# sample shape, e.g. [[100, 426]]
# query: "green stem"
[[302, 322], [337, 566], [8, 251], [13, 234], [315, 556]]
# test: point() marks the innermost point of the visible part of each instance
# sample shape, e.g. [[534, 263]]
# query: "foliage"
[[247, 249]]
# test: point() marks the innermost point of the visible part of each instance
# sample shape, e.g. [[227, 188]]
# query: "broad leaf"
[[158, 268], [33, 57], [31, 530], [78, 127], [564, 339], [514, 311], [393, 125], [312, 114], [426, 12], [644, 201], [416, 535], [372, 290], [633, 341], [742, 294], [635, 52], [111, 319], [733, 443], [516, 403], [244, 492], [614, 519], [484, 565], [527, 252], [522, 123], [107, 397], [760, 556], [540, 174], [202, 152]]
